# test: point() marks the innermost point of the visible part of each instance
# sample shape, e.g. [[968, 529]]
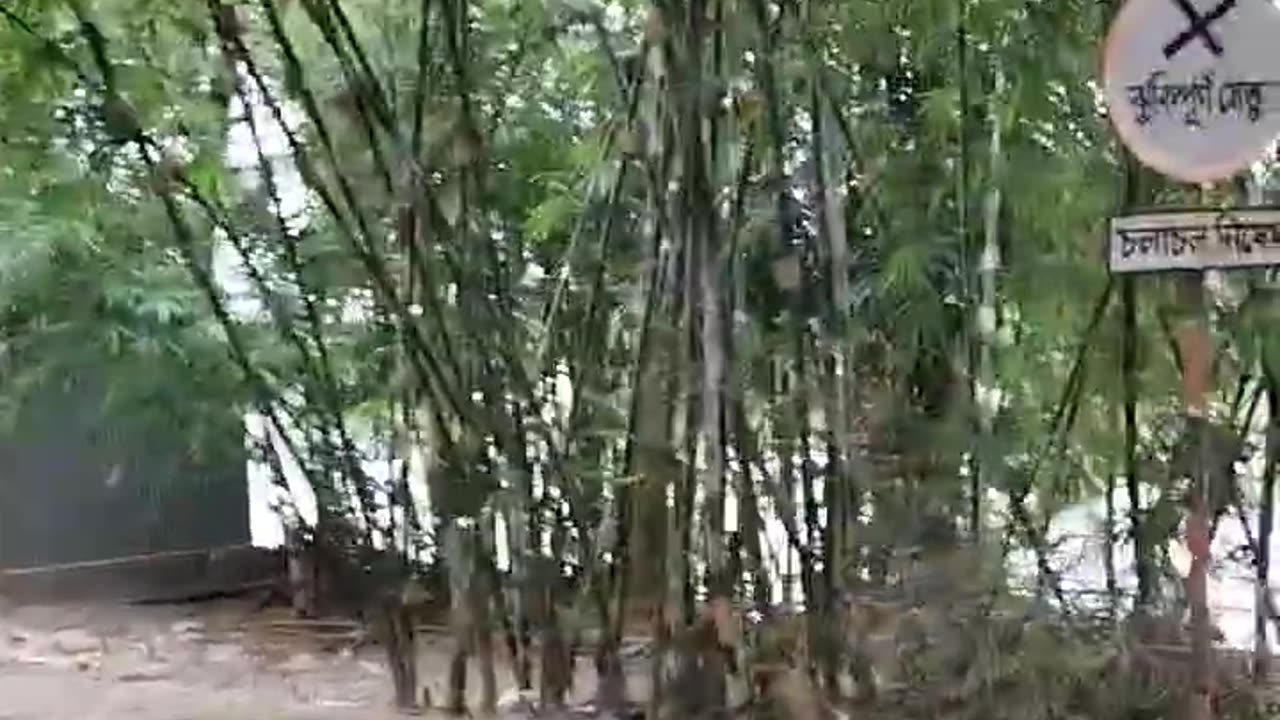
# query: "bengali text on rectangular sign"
[[1195, 240]]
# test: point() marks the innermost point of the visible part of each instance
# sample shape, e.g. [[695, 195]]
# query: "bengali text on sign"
[[1194, 240], [1199, 99]]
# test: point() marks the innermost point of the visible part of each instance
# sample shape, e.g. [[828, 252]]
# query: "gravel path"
[[195, 663], [214, 661]]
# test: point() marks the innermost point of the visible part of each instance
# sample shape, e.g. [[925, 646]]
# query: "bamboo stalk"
[[1266, 524]]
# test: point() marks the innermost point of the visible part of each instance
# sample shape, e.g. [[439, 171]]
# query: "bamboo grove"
[[637, 282]]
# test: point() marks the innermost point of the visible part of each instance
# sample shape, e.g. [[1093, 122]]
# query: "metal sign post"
[[1194, 347], [1189, 86]]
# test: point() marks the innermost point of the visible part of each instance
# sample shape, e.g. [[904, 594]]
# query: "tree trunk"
[[457, 704], [788, 488], [749, 507], [660, 625], [1266, 521], [484, 640], [988, 318], [462, 625], [402, 653], [555, 671], [471, 588], [703, 235], [686, 489], [815, 602], [514, 624], [516, 644], [962, 222], [732, 412], [831, 230], [1109, 550], [524, 539]]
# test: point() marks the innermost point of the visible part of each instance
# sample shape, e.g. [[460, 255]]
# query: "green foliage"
[[552, 241]]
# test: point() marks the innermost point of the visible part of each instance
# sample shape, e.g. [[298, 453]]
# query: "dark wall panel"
[[74, 487]]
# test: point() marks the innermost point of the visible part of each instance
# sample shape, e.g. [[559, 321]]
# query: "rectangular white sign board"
[[1195, 240]]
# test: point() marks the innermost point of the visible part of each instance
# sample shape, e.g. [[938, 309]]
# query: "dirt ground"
[[219, 661]]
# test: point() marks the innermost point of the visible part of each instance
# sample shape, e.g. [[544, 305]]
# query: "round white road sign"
[[1193, 86]]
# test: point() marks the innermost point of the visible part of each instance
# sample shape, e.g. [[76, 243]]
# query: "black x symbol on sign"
[[1199, 27]]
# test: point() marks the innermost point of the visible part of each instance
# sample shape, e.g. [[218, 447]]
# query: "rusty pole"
[[1194, 347]]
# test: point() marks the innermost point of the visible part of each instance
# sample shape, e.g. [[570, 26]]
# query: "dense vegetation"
[[639, 281]]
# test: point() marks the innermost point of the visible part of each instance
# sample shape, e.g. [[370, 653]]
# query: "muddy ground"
[[213, 661]]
